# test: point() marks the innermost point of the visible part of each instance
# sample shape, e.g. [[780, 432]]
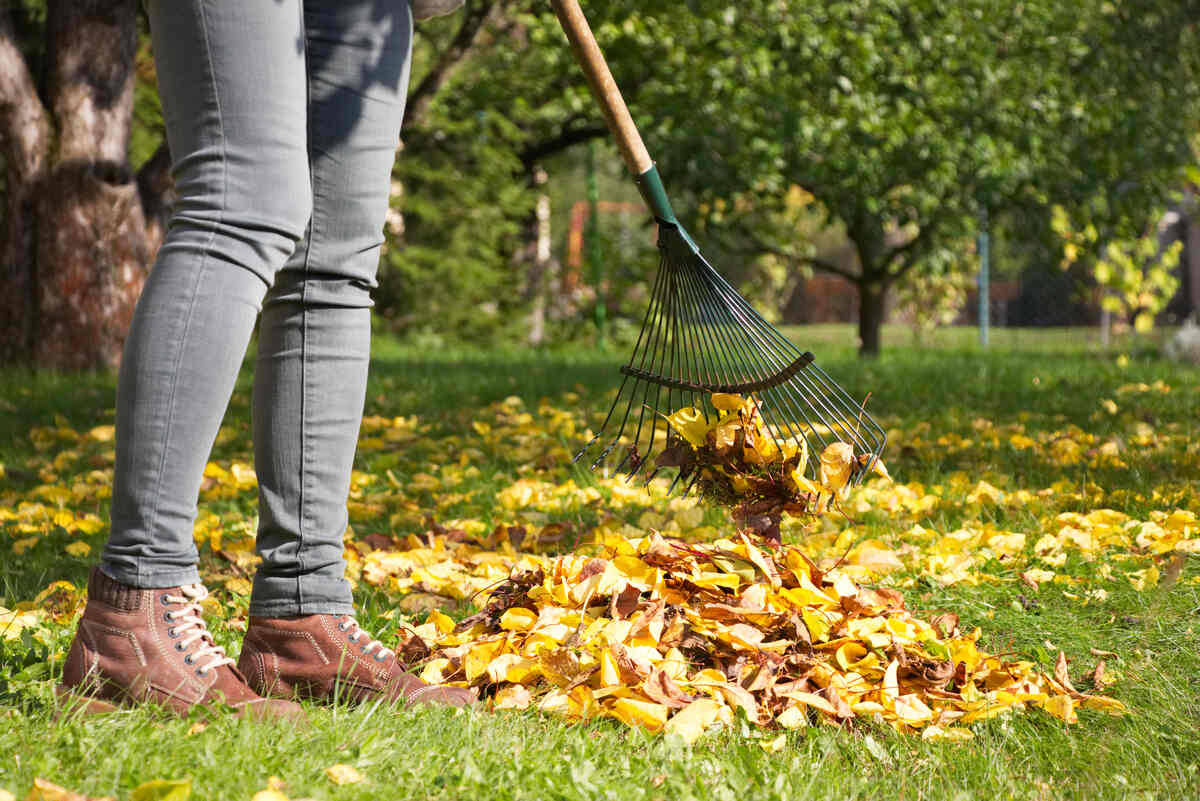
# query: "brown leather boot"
[[151, 645], [327, 658]]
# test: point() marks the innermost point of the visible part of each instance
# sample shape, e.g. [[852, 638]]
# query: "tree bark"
[[871, 298], [25, 138], [93, 260], [75, 249]]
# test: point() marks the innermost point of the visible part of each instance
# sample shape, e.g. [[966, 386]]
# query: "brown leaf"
[[945, 624], [624, 603], [1062, 675], [841, 710], [591, 568], [915, 669], [680, 455], [410, 648], [633, 669], [660, 687], [516, 535], [1173, 570], [1100, 679], [377, 541]]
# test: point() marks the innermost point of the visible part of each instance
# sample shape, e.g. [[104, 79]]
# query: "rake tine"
[[699, 336]]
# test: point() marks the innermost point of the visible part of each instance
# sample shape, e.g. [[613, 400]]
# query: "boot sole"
[[71, 700]]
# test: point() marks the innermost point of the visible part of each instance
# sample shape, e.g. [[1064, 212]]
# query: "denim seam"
[[302, 517], [200, 272]]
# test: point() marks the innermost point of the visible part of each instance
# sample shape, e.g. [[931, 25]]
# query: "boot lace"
[[355, 633], [189, 627]]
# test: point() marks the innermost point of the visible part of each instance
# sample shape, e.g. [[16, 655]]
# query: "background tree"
[[79, 224], [903, 119]]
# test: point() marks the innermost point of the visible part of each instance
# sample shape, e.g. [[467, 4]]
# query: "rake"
[[699, 336]]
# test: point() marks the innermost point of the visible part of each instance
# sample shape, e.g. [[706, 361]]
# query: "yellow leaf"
[[726, 402], [690, 424], [22, 545], [912, 710], [514, 696], [938, 734], [79, 548], [442, 621], [518, 619], [836, 460], [1062, 707], [1099, 702], [793, 717], [238, 585], [775, 745], [632, 712], [162, 790], [512, 668], [343, 774], [691, 722], [1145, 578], [269, 795], [43, 790], [815, 701]]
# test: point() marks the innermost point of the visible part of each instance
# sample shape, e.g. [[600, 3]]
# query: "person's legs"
[[314, 339], [310, 380], [232, 79]]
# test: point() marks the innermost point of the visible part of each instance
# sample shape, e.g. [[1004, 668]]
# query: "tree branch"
[[567, 137], [474, 16], [816, 263], [907, 250], [24, 123]]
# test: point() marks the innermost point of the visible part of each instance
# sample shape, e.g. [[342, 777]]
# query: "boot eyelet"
[[380, 658], [179, 647], [201, 672], [343, 626], [172, 633], [164, 600], [187, 660], [167, 617]]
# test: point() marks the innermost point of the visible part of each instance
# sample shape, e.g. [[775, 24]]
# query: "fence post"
[[984, 247]]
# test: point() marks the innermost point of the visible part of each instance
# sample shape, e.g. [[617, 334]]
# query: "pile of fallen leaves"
[[733, 459], [677, 637]]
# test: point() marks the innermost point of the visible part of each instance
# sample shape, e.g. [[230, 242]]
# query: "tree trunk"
[[78, 251], [871, 299], [25, 136]]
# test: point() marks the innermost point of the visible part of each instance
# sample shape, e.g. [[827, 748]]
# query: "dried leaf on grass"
[[680, 637], [343, 774]]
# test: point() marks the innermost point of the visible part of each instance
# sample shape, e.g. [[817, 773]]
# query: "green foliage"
[[902, 118], [933, 297], [447, 270], [1134, 272]]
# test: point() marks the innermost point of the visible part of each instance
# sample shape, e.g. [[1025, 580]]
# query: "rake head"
[[700, 338]]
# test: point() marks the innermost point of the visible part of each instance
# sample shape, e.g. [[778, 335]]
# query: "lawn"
[[1004, 461]]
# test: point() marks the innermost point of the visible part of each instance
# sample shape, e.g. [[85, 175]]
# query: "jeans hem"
[[151, 579], [304, 595]]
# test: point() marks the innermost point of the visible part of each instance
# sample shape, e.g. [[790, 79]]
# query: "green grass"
[[1043, 383]]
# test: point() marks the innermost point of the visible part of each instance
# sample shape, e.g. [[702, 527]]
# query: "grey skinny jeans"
[[282, 117]]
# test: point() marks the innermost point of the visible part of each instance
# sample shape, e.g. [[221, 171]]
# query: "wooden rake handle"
[[575, 25]]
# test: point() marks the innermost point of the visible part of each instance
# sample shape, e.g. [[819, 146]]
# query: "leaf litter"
[[725, 638], [680, 637]]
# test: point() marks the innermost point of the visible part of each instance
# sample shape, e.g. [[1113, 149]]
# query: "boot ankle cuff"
[[112, 592]]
